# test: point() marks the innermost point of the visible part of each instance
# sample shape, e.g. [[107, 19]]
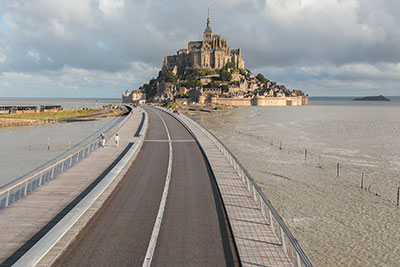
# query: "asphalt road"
[[194, 230]]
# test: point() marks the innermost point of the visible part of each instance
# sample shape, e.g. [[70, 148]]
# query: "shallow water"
[[25, 149], [336, 221]]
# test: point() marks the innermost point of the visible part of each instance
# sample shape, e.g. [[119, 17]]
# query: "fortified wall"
[[261, 101]]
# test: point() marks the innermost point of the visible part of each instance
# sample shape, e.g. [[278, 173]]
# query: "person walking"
[[103, 140], [116, 140]]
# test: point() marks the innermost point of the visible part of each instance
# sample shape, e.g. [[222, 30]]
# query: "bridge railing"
[[23, 187], [289, 243]]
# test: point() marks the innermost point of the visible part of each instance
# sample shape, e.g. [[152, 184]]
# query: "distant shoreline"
[[57, 117]]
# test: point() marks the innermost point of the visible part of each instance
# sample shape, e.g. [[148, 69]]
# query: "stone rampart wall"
[[261, 101]]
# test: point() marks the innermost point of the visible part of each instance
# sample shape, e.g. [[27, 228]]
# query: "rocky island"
[[371, 98], [211, 72]]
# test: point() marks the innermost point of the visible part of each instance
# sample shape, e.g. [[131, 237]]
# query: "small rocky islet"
[[372, 98]]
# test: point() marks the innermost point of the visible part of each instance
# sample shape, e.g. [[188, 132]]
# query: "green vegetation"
[[221, 78], [217, 83], [234, 69], [67, 114], [192, 83], [261, 78], [225, 75], [150, 89], [171, 77], [230, 65], [203, 72], [235, 83]]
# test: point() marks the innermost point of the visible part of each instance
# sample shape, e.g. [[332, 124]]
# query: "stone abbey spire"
[[207, 35], [208, 27]]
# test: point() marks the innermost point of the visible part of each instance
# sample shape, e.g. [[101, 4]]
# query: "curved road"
[[194, 230]]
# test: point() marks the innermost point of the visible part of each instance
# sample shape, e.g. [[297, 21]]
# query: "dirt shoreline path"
[[17, 122]]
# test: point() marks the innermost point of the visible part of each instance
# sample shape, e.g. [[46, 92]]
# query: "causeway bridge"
[[170, 194]]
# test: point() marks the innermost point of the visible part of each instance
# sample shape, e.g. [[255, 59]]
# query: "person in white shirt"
[[103, 140], [116, 140]]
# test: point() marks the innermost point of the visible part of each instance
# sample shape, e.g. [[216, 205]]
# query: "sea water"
[[25, 149], [336, 221]]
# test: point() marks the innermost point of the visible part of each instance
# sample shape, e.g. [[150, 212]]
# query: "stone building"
[[213, 52], [136, 96]]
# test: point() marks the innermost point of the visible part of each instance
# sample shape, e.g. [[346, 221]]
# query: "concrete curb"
[[46, 251]]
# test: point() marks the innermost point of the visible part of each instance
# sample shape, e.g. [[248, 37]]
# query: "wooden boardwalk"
[[21, 222], [254, 237]]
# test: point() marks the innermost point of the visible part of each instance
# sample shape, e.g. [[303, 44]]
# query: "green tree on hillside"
[[230, 65], [225, 76], [202, 72], [192, 83], [171, 77], [261, 78], [217, 83], [242, 71]]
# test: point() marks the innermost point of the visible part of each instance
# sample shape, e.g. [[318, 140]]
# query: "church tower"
[[207, 35]]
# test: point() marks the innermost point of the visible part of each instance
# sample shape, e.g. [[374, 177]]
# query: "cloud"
[[2, 58], [350, 43], [57, 28], [34, 55], [343, 80], [69, 82], [111, 7]]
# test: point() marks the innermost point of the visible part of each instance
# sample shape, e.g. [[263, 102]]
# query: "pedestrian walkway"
[[26, 220], [254, 236]]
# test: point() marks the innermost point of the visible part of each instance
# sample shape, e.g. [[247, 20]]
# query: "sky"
[[100, 48]]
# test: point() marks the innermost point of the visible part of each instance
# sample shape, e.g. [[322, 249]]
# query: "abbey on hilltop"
[[210, 72], [213, 52]]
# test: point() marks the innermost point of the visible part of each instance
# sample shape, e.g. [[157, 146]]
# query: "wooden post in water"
[[48, 142], [272, 142], [305, 155], [319, 161], [362, 180], [280, 146], [398, 196], [337, 170], [68, 145]]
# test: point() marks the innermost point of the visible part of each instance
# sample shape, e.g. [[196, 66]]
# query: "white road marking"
[[157, 225], [172, 141]]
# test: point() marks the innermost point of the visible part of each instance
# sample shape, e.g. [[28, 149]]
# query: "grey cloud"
[[278, 36]]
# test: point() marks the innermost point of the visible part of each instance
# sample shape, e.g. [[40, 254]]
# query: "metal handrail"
[[302, 258], [301, 253], [19, 189]]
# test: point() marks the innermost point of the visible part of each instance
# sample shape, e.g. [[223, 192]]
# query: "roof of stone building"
[[208, 27]]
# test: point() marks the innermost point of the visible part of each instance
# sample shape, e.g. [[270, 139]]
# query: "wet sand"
[[337, 222]]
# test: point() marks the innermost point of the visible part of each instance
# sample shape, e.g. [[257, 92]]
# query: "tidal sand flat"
[[336, 221]]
